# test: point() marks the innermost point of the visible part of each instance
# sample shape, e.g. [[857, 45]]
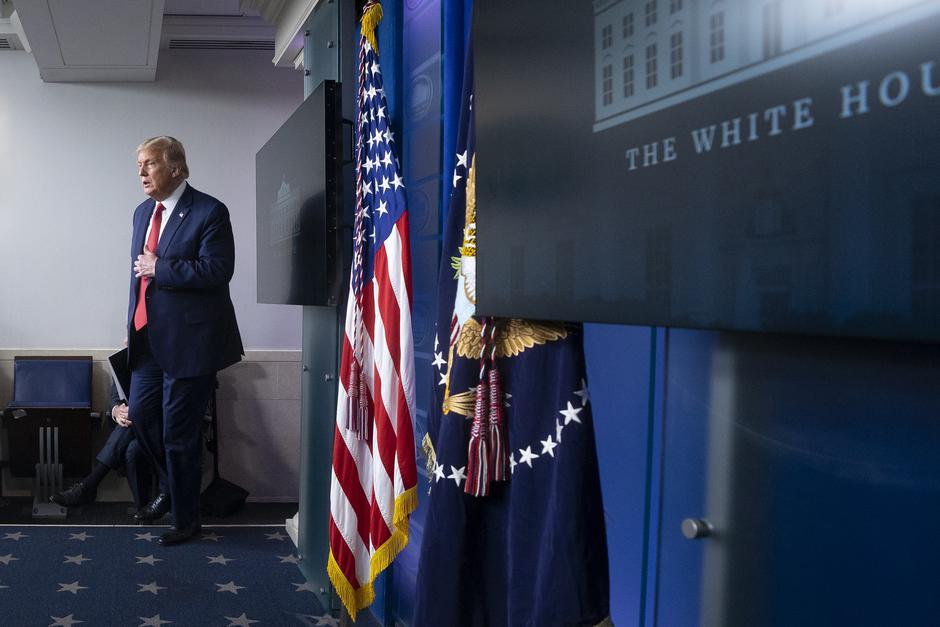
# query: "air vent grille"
[[222, 44], [6, 45]]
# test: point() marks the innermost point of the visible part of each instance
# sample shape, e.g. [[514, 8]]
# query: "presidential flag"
[[515, 532], [373, 488]]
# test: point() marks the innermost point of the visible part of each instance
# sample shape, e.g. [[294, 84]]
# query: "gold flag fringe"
[[357, 599], [371, 16]]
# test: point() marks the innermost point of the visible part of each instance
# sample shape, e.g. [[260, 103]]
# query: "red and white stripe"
[[374, 480]]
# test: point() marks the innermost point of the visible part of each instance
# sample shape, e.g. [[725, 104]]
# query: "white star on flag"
[[382, 209], [76, 559], [153, 621], [306, 586], [212, 536], [80, 536], [71, 587], [229, 587], [457, 177], [149, 537], [65, 621], [150, 587], [438, 473], [277, 535], [289, 559], [512, 463], [583, 393], [219, 559], [397, 182], [438, 360], [558, 428], [571, 413], [526, 456], [462, 159], [150, 559], [15, 536], [457, 474], [239, 621], [548, 446], [6, 559]]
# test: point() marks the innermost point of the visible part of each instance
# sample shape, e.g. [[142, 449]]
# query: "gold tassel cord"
[[371, 16]]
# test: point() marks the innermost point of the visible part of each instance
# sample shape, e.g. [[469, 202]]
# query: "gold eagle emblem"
[[513, 336]]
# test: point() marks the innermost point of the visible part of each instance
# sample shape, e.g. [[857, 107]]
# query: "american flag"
[[373, 489]]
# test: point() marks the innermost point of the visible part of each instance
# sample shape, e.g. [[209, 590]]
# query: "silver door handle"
[[696, 528]]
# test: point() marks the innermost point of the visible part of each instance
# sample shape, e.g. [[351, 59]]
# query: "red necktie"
[[140, 313]]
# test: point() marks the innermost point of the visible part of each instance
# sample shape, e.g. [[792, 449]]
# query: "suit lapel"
[[175, 219], [140, 228]]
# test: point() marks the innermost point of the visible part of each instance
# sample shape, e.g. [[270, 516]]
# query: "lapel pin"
[[182, 214]]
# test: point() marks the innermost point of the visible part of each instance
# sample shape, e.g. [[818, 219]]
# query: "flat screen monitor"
[[299, 200], [758, 165]]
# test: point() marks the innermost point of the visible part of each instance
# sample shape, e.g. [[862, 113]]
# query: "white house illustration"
[[652, 54]]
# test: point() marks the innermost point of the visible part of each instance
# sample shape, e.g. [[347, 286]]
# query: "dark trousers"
[[167, 414], [122, 449]]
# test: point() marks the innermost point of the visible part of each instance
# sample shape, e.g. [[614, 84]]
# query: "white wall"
[[68, 187]]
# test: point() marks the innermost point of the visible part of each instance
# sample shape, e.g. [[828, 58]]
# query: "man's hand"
[[119, 413], [146, 264]]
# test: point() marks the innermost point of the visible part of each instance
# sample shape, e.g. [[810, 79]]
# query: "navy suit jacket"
[[190, 318]]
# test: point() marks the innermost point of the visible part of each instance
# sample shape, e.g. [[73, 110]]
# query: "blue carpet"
[[121, 576]]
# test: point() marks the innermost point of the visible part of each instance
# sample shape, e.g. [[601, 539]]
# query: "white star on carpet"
[[306, 586], [229, 587], [80, 536], [15, 536], [219, 559], [76, 559], [6, 559], [150, 559], [583, 393], [277, 535], [65, 621], [326, 619], [71, 587], [548, 446], [213, 536], [153, 621], [571, 413], [457, 474], [239, 621], [3, 586], [289, 559], [149, 537], [150, 587], [526, 456]]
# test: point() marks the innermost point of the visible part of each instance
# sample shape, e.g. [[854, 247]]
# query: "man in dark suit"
[[181, 326]]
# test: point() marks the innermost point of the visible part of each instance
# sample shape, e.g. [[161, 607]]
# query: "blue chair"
[[49, 424]]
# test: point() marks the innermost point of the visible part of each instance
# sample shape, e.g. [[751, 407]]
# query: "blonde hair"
[[174, 155]]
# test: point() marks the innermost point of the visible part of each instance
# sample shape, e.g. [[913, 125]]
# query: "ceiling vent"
[[5, 44], [222, 44]]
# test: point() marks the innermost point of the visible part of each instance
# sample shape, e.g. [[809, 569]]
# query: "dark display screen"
[[298, 200], [750, 165]]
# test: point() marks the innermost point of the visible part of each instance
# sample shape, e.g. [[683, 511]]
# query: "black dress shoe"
[[178, 536], [75, 495], [155, 508]]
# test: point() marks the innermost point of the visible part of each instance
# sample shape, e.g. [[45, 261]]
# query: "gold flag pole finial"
[[371, 16]]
